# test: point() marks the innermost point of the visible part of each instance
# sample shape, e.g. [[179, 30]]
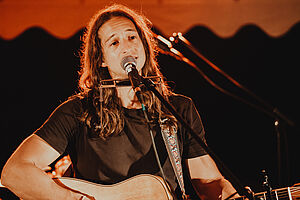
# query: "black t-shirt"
[[122, 156]]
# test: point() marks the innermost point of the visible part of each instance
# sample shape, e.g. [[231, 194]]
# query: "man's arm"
[[23, 173], [207, 179]]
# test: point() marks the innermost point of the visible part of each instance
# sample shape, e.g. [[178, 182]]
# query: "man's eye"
[[114, 43]]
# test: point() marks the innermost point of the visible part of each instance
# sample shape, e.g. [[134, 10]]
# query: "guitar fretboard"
[[289, 193]]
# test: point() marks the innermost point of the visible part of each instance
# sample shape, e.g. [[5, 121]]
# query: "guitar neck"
[[288, 193]]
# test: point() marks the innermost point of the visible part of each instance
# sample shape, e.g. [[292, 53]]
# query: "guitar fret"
[[289, 193], [276, 195], [283, 194], [260, 196]]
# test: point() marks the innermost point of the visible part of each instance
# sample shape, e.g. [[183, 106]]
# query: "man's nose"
[[126, 47]]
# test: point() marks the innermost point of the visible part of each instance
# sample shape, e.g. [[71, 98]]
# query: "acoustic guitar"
[[150, 187], [145, 186]]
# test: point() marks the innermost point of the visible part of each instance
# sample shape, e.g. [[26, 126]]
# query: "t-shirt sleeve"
[[59, 127], [192, 148]]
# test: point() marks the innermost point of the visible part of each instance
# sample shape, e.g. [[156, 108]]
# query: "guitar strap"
[[169, 135]]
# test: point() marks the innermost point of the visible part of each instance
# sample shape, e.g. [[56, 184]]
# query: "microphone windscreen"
[[128, 60]]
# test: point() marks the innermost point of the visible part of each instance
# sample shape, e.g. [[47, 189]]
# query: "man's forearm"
[[29, 182]]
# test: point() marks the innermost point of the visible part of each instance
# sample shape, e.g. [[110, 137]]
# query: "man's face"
[[119, 38]]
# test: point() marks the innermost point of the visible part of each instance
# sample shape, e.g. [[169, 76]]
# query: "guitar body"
[[144, 187]]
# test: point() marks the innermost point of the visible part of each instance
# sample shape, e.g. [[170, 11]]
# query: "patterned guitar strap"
[[169, 134]]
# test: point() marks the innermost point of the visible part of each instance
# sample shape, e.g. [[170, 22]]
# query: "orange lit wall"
[[62, 18]]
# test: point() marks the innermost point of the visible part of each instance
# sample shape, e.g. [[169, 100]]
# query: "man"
[[103, 129]]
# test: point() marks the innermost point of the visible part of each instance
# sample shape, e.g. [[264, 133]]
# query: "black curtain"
[[39, 71]]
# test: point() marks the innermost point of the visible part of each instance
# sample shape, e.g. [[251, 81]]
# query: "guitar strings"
[[283, 192], [294, 192]]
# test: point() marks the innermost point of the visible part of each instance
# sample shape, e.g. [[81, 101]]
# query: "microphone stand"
[[234, 180], [268, 109]]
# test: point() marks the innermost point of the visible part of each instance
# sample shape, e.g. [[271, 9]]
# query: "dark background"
[[39, 71]]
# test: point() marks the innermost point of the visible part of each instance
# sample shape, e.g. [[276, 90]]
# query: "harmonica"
[[112, 83]]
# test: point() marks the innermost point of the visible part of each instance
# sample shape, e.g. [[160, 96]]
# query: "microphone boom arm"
[[270, 110]]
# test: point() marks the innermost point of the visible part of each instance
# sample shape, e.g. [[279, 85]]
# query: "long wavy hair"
[[103, 111]]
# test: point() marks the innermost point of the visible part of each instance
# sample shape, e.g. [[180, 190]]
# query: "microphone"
[[128, 63]]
